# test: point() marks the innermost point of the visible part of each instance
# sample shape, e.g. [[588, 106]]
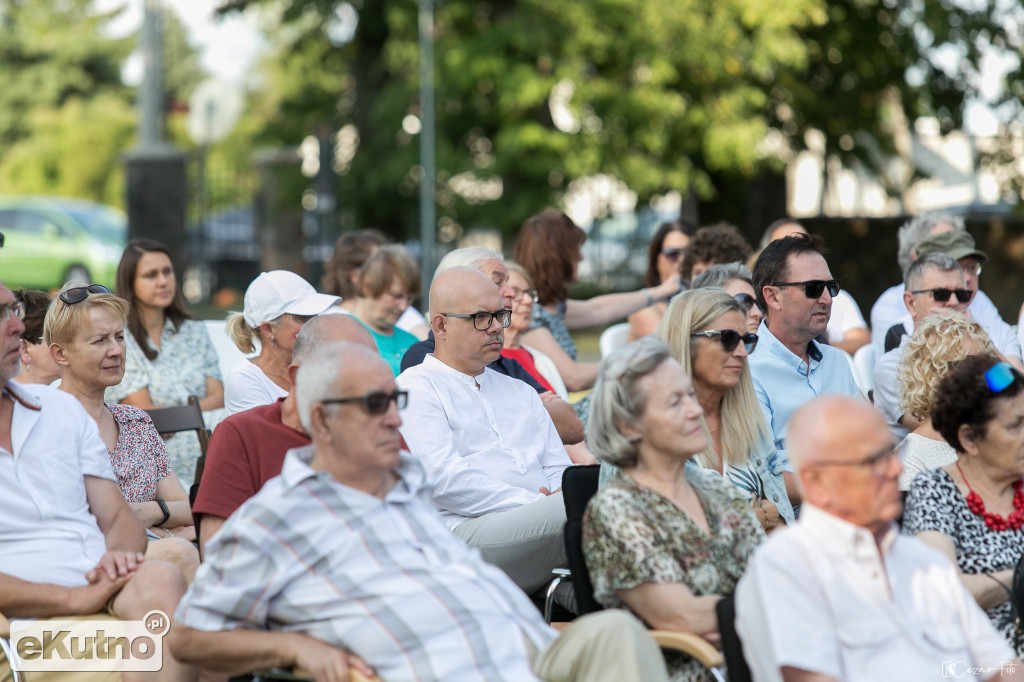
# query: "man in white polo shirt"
[[69, 543]]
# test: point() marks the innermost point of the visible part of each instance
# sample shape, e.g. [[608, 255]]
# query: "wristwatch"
[[164, 509]]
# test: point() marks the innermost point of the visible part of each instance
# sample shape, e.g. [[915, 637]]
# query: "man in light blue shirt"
[[795, 288]]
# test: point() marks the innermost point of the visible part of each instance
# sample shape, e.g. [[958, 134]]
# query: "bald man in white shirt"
[[486, 440]]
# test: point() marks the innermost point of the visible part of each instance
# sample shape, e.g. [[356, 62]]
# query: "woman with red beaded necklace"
[[973, 509]]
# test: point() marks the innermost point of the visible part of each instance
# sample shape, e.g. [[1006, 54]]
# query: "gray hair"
[[617, 399], [469, 257], [317, 377], [717, 275], [919, 227], [327, 328], [930, 261]]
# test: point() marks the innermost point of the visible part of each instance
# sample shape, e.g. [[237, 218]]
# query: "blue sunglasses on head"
[[999, 376]]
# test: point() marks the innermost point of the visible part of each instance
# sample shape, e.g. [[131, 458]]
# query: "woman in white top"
[[276, 305], [937, 345]]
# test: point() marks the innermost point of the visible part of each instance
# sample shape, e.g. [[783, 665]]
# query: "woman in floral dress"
[[84, 327], [663, 538], [170, 356]]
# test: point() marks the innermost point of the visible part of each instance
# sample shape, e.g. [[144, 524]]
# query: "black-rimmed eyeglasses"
[[482, 320], [79, 294], [942, 295], [730, 338], [813, 287], [376, 402]]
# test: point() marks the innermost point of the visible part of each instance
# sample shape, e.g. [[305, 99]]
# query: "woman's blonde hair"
[[741, 422], [63, 320], [242, 335], [937, 343]]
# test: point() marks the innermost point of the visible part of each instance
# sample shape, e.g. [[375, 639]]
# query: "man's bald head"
[[327, 329], [842, 450], [457, 342]]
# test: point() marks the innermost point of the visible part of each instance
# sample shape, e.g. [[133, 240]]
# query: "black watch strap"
[[164, 509]]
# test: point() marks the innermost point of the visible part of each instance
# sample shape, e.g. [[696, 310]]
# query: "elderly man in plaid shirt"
[[343, 561]]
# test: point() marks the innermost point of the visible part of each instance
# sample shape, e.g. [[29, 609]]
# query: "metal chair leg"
[[561, 575]]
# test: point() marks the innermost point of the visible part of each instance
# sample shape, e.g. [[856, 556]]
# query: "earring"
[[272, 344]]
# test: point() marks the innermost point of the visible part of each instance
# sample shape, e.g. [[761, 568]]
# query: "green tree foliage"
[[661, 94], [65, 114]]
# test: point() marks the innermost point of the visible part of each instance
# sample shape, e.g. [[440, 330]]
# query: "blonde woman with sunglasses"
[[706, 332]]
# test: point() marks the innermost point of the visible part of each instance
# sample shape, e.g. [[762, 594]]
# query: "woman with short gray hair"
[[663, 538]]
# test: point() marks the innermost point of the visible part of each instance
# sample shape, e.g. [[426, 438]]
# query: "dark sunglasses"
[[746, 301], [813, 287], [482, 321], [79, 294], [999, 376], [673, 254], [730, 338], [376, 402], [942, 295]]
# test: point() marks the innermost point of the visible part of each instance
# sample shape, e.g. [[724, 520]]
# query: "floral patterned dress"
[[180, 369], [633, 535], [139, 459]]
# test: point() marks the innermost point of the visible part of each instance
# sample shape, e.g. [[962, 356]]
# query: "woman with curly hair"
[[937, 345], [721, 243]]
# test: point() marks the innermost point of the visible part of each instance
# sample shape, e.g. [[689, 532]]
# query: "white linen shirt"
[[819, 596], [383, 579], [487, 441], [888, 390], [47, 532]]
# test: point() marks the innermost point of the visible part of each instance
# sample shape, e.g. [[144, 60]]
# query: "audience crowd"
[[384, 497]]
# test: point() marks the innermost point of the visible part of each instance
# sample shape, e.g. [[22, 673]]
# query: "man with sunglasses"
[[485, 439], [342, 561], [960, 247], [247, 448], [933, 284], [794, 287], [841, 595], [70, 545]]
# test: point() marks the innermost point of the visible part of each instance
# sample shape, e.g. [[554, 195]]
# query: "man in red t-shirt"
[[247, 449]]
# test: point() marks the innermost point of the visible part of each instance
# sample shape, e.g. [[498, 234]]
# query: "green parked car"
[[52, 240]]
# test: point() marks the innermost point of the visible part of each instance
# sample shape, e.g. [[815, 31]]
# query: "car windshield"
[[106, 224]]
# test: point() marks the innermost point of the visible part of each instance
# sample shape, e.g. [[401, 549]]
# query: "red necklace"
[[994, 521]]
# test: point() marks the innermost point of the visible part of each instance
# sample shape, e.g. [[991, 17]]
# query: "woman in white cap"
[[170, 356], [276, 305]]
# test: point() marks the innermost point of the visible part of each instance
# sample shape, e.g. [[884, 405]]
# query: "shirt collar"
[[22, 393], [432, 362], [779, 349], [296, 470], [848, 538]]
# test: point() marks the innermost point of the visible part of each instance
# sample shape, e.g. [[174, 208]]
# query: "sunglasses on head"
[[813, 287], [942, 295], [376, 402], [746, 301], [730, 338], [79, 294], [999, 376], [673, 254]]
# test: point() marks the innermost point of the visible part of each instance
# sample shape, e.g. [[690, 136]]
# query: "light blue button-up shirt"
[[783, 383]]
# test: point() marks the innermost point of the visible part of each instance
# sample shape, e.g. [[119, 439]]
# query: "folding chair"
[[188, 417], [579, 484]]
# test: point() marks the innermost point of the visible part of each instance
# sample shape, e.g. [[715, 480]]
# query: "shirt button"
[[758, 462], [775, 497]]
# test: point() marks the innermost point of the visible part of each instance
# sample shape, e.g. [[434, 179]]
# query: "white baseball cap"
[[277, 292]]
